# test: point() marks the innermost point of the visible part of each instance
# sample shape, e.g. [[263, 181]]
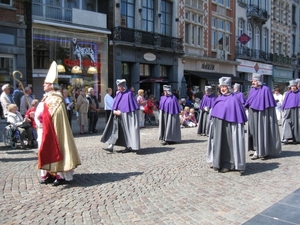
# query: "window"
[[280, 45], [163, 71], [6, 2], [213, 39], [194, 29], [257, 38], [166, 18], [127, 13], [144, 70], [221, 34], [286, 14], [221, 2], [281, 9], [213, 22], [125, 69], [293, 44], [265, 41], [228, 3], [240, 27], [250, 35], [274, 46], [147, 15], [293, 14], [193, 35], [286, 48], [90, 5], [199, 35], [186, 36]]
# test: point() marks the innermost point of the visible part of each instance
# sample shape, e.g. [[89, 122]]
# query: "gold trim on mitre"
[[52, 75]]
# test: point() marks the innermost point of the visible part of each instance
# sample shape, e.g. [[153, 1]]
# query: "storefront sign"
[[85, 62], [254, 67], [149, 56], [207, 67], [282, 74]]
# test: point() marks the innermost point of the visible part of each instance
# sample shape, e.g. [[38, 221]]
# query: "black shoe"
[[95, 131], [48, 180], [58, 182], [164, 143], [126, 150], [108, 149], [224, 170]]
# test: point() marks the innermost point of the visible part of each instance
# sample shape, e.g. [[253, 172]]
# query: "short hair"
[[66, 91], [108, 90], [90, 89], [5, 86], [27, 89], [11, 107], [186, 108], [140, 91], [276, 89], [34, 101]]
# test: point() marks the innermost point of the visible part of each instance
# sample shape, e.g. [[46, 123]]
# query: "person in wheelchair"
[[15, 118]]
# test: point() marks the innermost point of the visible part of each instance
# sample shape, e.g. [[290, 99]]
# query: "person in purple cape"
[[204, 111], [226, 142], [123, 128], [169, 121], [263, 132], [291, 115], [239, 95]]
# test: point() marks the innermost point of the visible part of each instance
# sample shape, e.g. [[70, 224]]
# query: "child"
[[182, 119], [193, 117], [187, 117]]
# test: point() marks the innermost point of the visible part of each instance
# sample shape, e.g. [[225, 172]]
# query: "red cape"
[[49, 150]]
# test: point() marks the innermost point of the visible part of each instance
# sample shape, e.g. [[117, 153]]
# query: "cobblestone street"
[[169, 184]]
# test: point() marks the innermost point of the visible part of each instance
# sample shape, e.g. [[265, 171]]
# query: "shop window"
[[125, 69], [6, 2], [163, 71], [41, 56], [144, 70]]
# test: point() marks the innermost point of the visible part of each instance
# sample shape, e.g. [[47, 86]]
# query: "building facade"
[[74, 34], [12, 41]]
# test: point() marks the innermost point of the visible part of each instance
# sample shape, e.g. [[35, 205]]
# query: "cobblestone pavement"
[[157, 185]]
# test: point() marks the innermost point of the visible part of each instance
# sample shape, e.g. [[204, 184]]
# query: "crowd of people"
[[221, 116]]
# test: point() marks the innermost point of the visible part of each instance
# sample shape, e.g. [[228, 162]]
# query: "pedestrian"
[[6, 98], [25, 101], [142, 102], [205, 108], [291, 115], [94, 110], [69, 104], [17, 94], [240, 95], [108, 103], [58, 155], [263, 133], [226, 143], [278, 99], [30, 114], [82, 108], [123, 126], [169, 121]]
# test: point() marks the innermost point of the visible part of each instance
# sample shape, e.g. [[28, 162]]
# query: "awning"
[[155, 80], [215, 76]]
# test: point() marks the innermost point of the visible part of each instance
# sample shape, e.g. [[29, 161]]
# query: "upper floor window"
[[281, 12], [144, 70], [228, 3], [163, 71], [147, 15], [293, 14], [6, 2], [221, 35], [166, 18], [250, 35], [240, 27], [265, 40], [127, 13], [89, 5]]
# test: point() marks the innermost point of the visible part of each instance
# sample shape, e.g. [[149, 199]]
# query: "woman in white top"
[[108, 103], [142, 102]]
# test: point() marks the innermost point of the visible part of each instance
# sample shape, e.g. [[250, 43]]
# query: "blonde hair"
[[186, 108], [108, 90], [11, 107], [34, 101], [192, 110], [140, 91]]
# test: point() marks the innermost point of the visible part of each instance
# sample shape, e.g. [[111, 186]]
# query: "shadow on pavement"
[[285, 153], [19, 152], [18, 159], [153, 150], [190, 141], [92, 179], [256, 167]]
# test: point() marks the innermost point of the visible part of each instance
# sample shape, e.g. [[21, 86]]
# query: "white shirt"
[[108, 102]]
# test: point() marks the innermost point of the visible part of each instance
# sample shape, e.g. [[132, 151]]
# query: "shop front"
[[246, 68], [281, 77], [81, 58]]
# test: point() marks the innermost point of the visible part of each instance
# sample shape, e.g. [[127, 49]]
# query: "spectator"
[[142, 102], [69, 105], [93, 110], [17, 94], [108, 103], [6, 98], [30, 114], [278, 99], [26, 100], [83, 108]]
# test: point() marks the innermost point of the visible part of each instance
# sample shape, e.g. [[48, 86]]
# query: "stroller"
[[12, 136]]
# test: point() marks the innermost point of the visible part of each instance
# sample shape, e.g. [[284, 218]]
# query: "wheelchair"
[[12, 136]]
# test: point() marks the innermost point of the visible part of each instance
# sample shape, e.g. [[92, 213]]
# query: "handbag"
[[142, 107], [25, 125]]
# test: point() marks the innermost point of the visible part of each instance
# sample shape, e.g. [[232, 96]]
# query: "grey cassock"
[[263, 132], [204, 122], [169, 127], [123, 130], [226, 145], [291, 124]]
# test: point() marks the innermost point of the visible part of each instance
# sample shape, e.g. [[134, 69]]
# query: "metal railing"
[[124, 34], [255, 11]]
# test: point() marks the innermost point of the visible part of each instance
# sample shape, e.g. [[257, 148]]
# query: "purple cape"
[[241, 97], [291, 100], [229, 108], [207, 101], [125, 102], [260, 98], [169, 104]]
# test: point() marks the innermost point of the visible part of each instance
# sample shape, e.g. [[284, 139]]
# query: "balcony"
[[127, 36], [257, 14], [247, 53], [280, 59]]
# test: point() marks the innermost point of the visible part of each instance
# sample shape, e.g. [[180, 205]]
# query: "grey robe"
[[204, 122], [291, 124], [263, 132], [169, 127], [123, 130], [226, 145]]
